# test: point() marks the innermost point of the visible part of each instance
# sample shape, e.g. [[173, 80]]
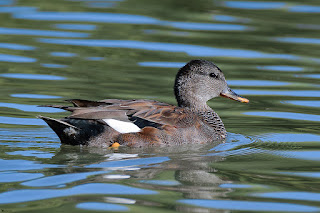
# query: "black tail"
[[75, 131]]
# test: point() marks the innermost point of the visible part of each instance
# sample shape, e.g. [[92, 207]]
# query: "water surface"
[[52, 51]]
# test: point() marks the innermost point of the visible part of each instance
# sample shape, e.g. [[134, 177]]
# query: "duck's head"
[[199, 81]]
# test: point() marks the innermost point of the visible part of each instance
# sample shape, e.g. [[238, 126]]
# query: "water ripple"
[[261, 83], [76, 26], [299, 40], [28, 137], [101, 4], [304, 103], [242, 151], [25, 195], [123, 19], [129, 163], [254, 5], [32, 153], [36, 96], [309, 26], [32, 76], [34, 32], [119, 200], [88, 17], [312, 76], [57, 180], [161, 64], [293, 93], [6, 2], [286, 115], [54, 66], [96, 206], [63, 54], [302, 174], [235, 186], [16, 46], [21, 121], [230, 143], [304, 155], [289, 137], [16, 58], [227, 18], [281, 68], [161, 182], [13, 9], [10, 165], [207, 26], [249, 205], [194, 50], [7, 177], [95, 58], [305, 9], [308, 196]]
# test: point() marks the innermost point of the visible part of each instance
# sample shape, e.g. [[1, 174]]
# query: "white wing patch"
[[122, 126]]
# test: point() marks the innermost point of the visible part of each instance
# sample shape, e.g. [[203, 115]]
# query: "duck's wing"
[[164, 114], [141, 112]]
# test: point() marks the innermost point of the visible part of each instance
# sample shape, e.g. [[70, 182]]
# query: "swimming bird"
[[144, 123]]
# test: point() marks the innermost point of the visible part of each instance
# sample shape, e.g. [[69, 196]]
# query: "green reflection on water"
[[254, 162]]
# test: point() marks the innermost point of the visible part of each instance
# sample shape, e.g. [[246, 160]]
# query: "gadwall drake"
[[140, 123]]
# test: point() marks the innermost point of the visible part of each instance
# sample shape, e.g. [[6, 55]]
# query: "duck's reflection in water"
[[187, 171]]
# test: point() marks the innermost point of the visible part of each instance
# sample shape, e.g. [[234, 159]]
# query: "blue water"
[[52, 51], [252, 5], [250, 206], [192, 50], [31, 76], [16, 58], [35, 32]]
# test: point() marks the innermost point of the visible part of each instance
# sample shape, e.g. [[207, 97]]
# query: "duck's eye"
[[213, 75]]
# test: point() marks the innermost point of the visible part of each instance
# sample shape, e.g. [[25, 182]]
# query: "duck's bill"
[[229, 93]]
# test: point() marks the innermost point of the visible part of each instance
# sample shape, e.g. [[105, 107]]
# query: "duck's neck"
[[207, 114], [187, 98], [193, 103]]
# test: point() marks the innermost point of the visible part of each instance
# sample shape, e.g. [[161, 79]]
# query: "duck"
[[145, 123]]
